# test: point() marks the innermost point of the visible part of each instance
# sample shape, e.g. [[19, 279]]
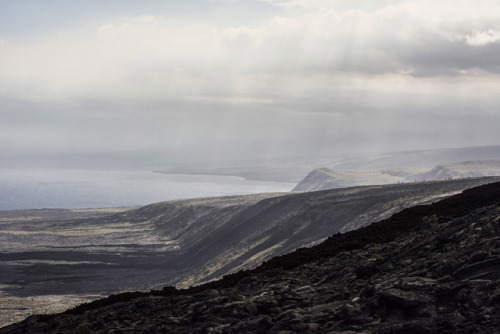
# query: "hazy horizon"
[[247, 80]]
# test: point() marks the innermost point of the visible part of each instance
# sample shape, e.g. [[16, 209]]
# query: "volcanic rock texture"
[[428, 269]]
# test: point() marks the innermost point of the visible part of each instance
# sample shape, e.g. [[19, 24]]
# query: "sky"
[[249, 78]]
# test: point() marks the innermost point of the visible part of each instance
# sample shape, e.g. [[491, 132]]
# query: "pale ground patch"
[[107, 210], [15, 309], [88, 231]]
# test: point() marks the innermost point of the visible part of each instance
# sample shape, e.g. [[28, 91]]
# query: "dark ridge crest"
[[377, 233]]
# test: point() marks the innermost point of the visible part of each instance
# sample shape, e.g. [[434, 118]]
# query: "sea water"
[[72, 189]]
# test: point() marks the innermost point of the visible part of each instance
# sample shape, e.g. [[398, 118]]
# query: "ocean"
[[74, 189]]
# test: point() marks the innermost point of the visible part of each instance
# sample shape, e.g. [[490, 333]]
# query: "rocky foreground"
[[427, 269]]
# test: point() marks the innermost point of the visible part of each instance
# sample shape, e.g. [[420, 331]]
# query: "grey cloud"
[[216, 130], [443, 57], [276, 88]]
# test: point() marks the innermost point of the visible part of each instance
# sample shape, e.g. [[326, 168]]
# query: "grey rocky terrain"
[[71, 256], [429, 269]]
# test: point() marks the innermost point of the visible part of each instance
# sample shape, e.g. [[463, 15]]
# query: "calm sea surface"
[[70, 189]]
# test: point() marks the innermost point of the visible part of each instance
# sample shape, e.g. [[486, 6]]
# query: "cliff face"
[[427, 269]]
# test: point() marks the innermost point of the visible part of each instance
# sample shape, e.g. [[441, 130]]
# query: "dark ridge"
[[381, 232]]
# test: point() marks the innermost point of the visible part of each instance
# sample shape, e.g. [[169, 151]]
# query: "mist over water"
[[71, 189]]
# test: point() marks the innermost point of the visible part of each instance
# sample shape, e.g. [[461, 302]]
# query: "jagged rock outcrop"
[[428, 269]]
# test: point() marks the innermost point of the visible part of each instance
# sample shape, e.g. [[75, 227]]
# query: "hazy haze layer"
[[241, 79]]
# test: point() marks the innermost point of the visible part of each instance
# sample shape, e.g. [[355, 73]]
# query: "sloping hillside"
[[49, 255], [326, 178], [427, 269], [282, 224], [462, 170]]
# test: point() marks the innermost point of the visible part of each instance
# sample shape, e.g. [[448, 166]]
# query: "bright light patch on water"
[[71, 189]]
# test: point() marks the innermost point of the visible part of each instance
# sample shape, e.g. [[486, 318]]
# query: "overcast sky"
[[262, 77]]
